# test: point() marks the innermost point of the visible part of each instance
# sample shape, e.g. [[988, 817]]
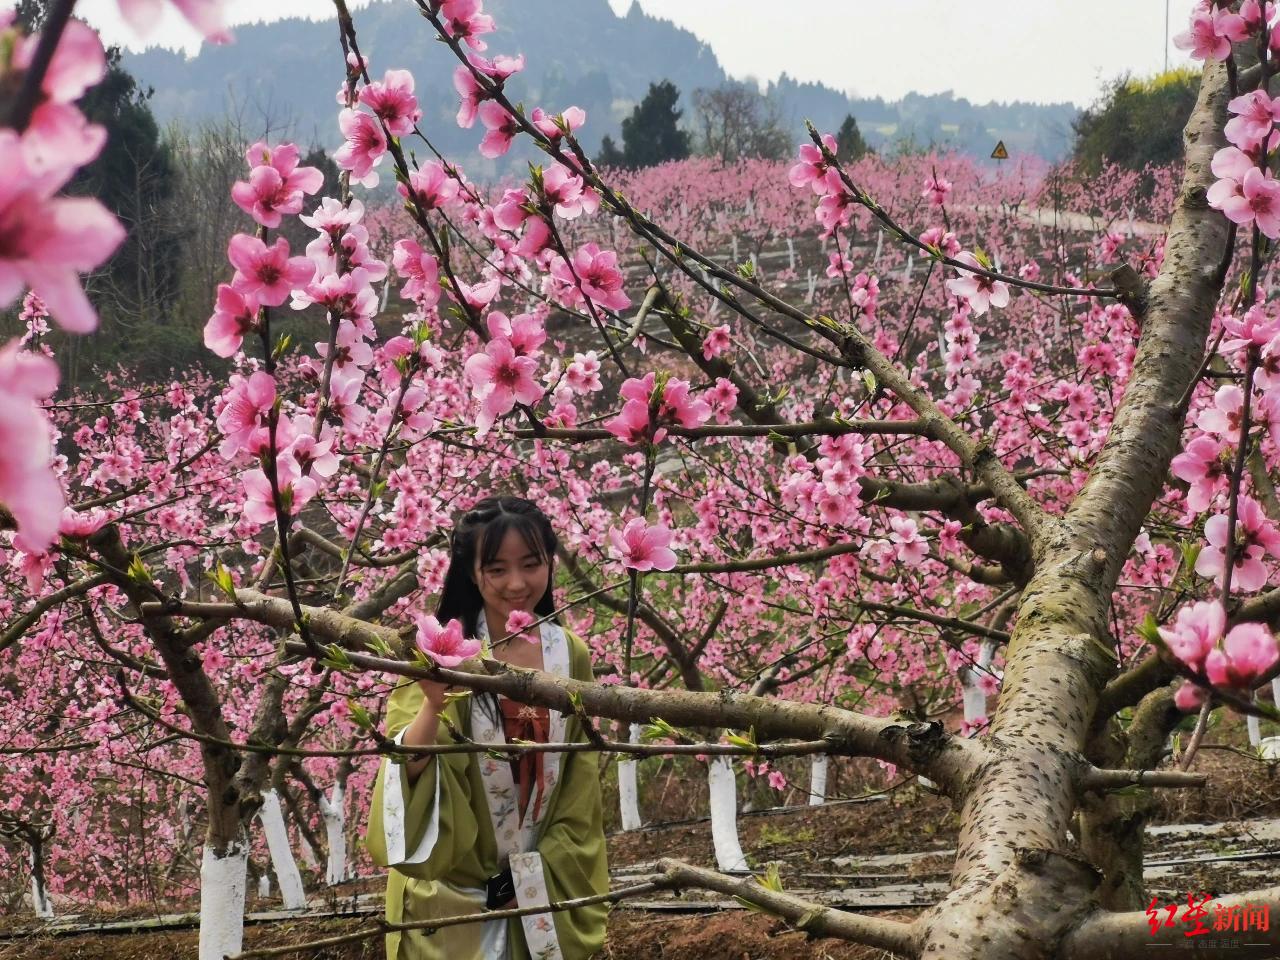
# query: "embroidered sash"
[[517, 836]]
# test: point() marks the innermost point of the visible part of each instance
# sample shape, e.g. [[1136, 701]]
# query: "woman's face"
[[515, 579]]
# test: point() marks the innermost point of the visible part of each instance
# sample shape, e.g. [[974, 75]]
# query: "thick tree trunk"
[[222, 885]]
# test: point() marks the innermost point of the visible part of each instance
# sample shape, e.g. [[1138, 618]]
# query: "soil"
[[802, 840]]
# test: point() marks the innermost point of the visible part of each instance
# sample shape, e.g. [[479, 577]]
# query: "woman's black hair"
[[483, 528]]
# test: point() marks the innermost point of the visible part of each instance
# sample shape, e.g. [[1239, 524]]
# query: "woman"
[[462, 831]]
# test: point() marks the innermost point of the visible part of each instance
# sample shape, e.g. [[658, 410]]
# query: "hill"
[[287, 73]]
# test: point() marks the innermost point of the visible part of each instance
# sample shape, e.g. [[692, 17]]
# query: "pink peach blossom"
[[499, 380], [1248, 651], [1195, 631], [445, 645], [265, 273], [980, 292], [640, 546]]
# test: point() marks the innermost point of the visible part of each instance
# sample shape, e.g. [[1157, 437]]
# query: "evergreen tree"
[[850, 142], [135, 178], [651, 135], [610, 155]]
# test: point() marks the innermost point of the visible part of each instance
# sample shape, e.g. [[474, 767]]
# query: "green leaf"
[[455, 695], [1190, 553], [657, 728], [1149, 631], [771, 880], [281, 346], [221, 578], [360, 715], [335, 657], [747, 743], [138, 571], [869, 379]]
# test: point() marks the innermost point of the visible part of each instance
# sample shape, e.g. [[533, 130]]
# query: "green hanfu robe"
[[443, 836]]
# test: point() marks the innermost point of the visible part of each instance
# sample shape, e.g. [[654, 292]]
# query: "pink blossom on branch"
[[429, 186], [49, 241], [267, 274], [980, 292], [421, 271], [597, 270], [936, 190], [1258, 201], [234, 316], [29, 488], [1255, 538], [499, 380], [392, 99], [248, 405], [812, 170], [554, 126], [1248, 651], [1195, 631], [1202, 465], [445, 645], [1256, 113], [463, 20], [518, 624], [716, 342], [642, 547], [365, 147], [276, 183], [501, 127], [1211, 34]]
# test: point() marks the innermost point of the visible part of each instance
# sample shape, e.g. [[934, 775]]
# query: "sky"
[[1037, 50]]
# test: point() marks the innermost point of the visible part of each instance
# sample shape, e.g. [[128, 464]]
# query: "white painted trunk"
[[906, 271], [818, 779], [39, 893], [222, 882], [628, 798], [735, 248], [724, 815], [813, 286], [264, 885], [286, 868], [879, 244], [310, 855], [334, 813], [791, 254]]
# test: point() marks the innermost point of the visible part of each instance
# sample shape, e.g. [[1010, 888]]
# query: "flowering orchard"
[[828, 448]]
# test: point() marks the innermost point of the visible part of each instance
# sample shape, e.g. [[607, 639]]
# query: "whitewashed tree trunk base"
[[39, 892], [222, 884], [334, 812], [286, 868], [818, 780], [628, 796], [724, 815]]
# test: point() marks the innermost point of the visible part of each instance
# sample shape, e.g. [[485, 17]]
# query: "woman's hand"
[[434, 692]]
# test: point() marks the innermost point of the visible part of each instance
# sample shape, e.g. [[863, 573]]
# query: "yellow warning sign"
[[1000, 153]]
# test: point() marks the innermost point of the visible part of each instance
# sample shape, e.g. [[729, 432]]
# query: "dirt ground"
[[803, 840]]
